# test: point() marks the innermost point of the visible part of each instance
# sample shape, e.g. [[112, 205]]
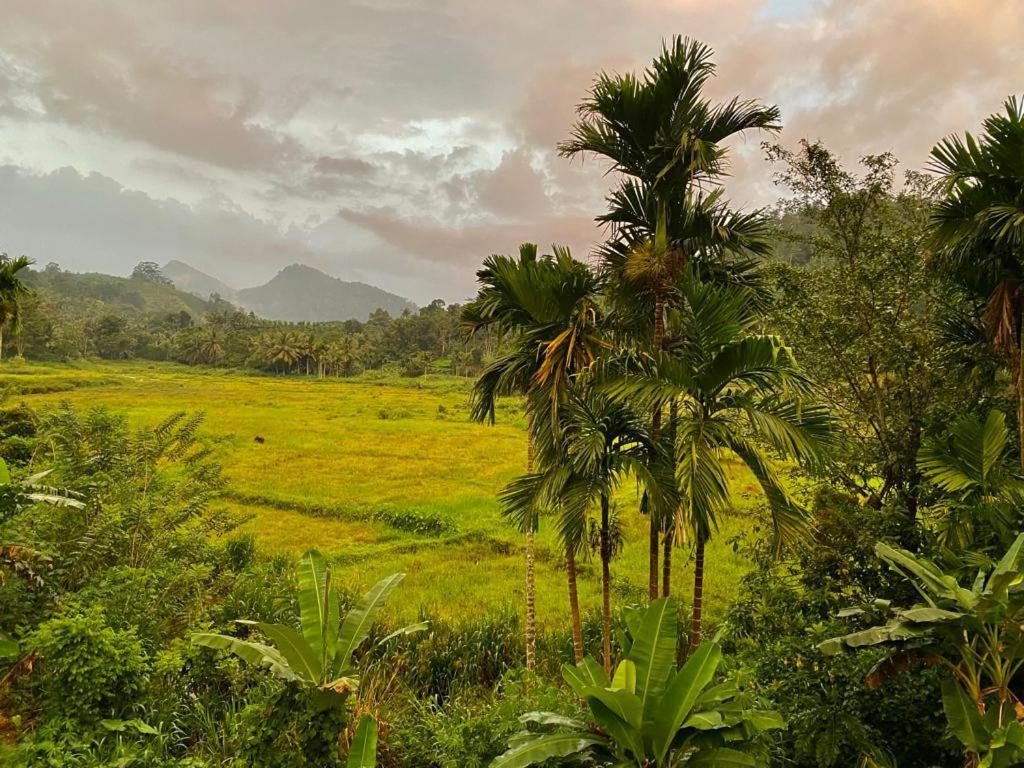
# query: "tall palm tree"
[[544, 309], [663, 134], [599, 443], [736, 391], [978, 227], [12, 290]]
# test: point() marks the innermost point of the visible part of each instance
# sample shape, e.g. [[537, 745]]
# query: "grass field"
[[380, 475]]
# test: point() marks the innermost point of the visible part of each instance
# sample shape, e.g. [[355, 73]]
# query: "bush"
[[784, 609], [469, 730], [91, 670]]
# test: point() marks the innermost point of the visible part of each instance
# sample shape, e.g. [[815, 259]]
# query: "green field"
[[380, 475]]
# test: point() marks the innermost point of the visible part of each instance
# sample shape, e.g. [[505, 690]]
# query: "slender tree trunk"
[[606, 585], [669, 541], [654, 543], [1, 341], [531, 586], [698, 594], [666, 560], [1020, 385], [574, 606]]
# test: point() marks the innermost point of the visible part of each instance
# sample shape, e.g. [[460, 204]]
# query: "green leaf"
[[1007, 570], [303, 659], [677, 702], [587, 673], [363, 752], [625, 676], [5, 473], [552, 718], [622, 733], [654, 649], [253, 653], [930, 575], [928, 615], [964, 719], [704, 721], [315, 607], [621, 703], [357, 624], [543, 748], [120, 726]]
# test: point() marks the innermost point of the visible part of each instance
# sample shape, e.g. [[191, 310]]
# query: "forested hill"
[[133, 294], [189, 279], [302, 294]]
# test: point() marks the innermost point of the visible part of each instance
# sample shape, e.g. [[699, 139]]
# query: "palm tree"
[[979, 225], [661, 132], [734, 390], [544, 307], [212, 345], [599, 443], [281, 350], [974, 469], [12, 290]]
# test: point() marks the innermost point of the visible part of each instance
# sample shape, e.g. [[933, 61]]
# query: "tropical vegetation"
[[824, 398]]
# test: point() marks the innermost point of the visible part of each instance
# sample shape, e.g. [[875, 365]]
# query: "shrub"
[[92, 670], [471, 728]]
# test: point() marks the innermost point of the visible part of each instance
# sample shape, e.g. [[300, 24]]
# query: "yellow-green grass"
[[340, 458]]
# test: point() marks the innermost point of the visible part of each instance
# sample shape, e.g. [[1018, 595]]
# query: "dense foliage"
[[858, 350]]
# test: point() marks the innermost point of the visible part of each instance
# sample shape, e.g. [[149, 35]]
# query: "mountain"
[[130, 294], [190, 280], [300, 293]]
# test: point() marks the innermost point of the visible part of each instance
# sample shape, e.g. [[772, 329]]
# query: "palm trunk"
[[654, 542], [531, 586], [666, 560], [1019, 381], [574, 606], [606, 585], [698, 594], [669, 541]]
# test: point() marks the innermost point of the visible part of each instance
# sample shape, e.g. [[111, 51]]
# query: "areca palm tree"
[[981, 487], [598, 444], [544, 309], [668, 139], [736, 392], [978, 227], [12, 290]]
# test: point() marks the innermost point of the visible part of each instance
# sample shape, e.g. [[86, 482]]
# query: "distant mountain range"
[[297, 293]]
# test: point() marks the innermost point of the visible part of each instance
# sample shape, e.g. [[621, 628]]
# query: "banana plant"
[[320, 653], [975, 632], [650, 714]]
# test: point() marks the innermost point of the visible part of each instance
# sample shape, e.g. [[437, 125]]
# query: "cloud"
[[401, 141]]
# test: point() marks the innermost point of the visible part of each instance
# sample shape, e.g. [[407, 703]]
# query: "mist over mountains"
[[297, 293]]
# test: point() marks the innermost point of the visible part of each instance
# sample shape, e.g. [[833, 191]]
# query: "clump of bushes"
[[416, 521]]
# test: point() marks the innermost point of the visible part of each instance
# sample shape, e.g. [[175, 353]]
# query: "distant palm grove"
[[852, 359]]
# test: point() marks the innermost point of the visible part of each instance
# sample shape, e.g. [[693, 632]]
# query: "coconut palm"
[[544, 308], [978, 227], [668, 138], [735, 391], [12, 290], [212, 344]]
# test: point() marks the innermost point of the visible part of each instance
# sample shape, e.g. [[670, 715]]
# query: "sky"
[[399, 142]]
